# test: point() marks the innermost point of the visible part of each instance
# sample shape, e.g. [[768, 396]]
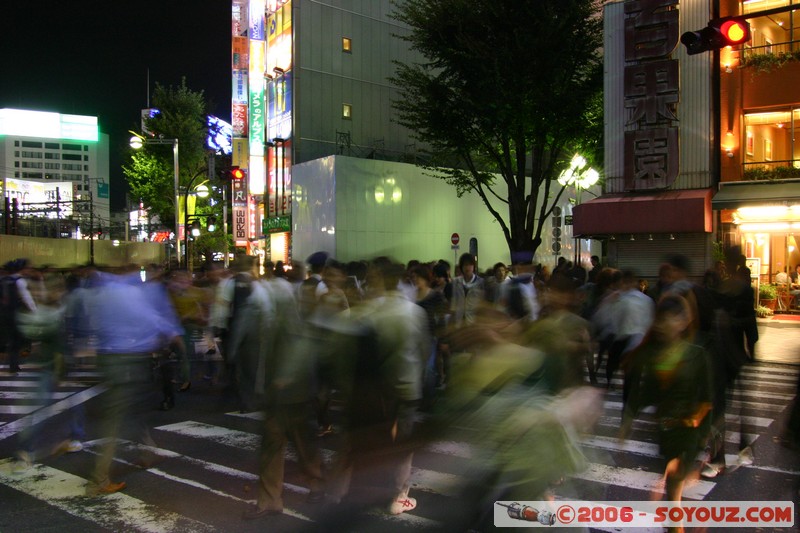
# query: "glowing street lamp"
[[576, 176], [136, 142], [580, 177]]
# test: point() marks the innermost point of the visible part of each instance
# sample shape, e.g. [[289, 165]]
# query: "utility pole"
[[91, 228]]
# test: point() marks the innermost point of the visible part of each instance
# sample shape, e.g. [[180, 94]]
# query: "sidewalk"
[[779, 339]]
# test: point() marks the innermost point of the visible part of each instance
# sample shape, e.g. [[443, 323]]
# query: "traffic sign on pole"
[[454, 239]]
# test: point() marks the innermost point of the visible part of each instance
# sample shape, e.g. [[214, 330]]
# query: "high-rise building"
[[56, 166], [310, 79]]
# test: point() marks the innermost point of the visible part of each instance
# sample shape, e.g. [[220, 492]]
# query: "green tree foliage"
[[150, 173], [509, 90]]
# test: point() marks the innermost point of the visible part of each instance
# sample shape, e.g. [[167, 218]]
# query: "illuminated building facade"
[[693, 142], [759, 197], [49, 159], [309, 80]]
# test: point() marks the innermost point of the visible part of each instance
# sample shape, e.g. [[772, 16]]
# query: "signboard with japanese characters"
[[651, 94]]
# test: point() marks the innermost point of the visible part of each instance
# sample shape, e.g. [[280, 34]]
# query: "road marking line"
[[49, 411], [192, 483], [18, 409], [216, 434], [421, 479], [116, 512], [18, 395], [757, 421], [641, 480]]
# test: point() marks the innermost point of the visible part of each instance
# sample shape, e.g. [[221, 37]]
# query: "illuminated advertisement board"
[[41, 196], [240, 158], [280, 179], [239, 59], [256, 174], [279, 122], [239, 119], [239, 208], [256, 12], [279, 38], [220, 135], [257, 115], [25, 123], [240, 89], [256, 98]]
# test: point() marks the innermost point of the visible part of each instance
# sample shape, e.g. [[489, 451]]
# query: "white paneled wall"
[[385, 208]]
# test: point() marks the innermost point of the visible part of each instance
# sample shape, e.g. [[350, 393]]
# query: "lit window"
[[347, 111], [347, 44]]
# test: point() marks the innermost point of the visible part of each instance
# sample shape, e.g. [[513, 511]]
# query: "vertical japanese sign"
[[239, 203], [257, 114], [240, 62], [651, 94], [256, 173]]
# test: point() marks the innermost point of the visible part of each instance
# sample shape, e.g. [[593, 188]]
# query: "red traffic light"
[[237, 173], [722, 32], [735, 32]]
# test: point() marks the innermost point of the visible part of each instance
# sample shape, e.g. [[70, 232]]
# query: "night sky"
[[92, 58]]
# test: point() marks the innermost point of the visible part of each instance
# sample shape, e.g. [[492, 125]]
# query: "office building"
[[56, 166]]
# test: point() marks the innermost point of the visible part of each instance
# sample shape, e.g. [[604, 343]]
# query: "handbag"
[[41, 324]]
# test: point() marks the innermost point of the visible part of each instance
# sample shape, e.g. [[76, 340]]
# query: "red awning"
[[684, 211]]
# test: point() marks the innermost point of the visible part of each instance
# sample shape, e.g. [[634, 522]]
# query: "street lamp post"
[[186, 216], [137, 141], [580, 177]]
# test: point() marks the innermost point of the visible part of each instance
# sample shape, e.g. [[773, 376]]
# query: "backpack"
[[307, 297], [242, 289], [9, 299]]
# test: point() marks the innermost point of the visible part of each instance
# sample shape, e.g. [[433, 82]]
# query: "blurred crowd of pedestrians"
[[499, 359]]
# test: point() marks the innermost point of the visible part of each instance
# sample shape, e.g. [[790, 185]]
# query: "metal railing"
[[786, 48], [771, 170]]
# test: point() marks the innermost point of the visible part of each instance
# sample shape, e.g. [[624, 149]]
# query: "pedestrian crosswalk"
[[203, 474], [28, 397]]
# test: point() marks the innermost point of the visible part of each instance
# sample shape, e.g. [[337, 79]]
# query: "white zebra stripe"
[[641, 480], [51, 410], [40, 396], [116, 512], [423, 479]]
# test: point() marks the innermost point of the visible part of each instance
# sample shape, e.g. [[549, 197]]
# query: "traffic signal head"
[[237, 173], [722, 32], [734, 31]]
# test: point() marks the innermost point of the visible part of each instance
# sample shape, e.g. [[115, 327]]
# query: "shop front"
[[764, 219], [642, 229]]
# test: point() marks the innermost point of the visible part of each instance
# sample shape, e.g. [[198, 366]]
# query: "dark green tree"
[[150, 173], [505, 90]]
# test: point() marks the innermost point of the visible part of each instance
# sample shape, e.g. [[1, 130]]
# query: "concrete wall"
[[67, 253]]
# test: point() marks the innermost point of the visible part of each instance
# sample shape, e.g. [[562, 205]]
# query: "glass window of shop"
[[777, 251]]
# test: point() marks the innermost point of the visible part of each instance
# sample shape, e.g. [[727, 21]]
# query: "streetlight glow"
[[576, 177]]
